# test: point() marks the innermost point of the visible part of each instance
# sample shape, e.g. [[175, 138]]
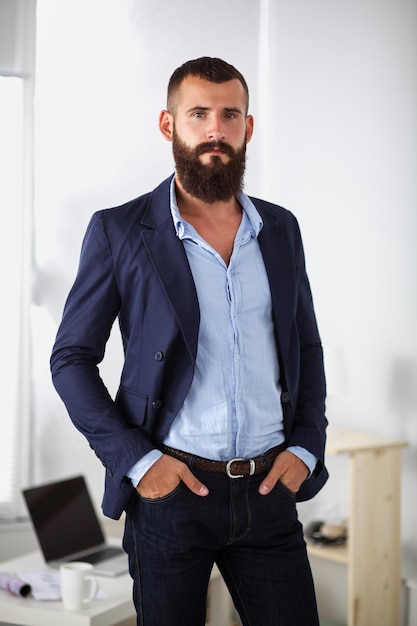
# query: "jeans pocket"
[[286, 489], [164, 498]]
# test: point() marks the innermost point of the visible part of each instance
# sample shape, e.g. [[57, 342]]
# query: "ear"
[[249, 127], [166, 124]]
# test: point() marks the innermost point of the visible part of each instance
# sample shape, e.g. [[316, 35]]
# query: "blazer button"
[[285, 396], [159, 356], [156, 404]]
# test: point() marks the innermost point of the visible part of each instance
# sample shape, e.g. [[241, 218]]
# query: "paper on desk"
[[45, 584]]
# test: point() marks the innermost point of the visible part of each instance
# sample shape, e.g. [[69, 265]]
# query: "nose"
[[215, 129]]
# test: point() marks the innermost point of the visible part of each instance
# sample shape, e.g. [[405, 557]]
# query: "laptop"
[[68, 529]]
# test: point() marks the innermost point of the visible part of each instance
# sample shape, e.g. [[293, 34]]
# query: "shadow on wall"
[[403, 387]]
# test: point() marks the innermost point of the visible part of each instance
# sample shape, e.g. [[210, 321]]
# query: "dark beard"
[[215, 181]]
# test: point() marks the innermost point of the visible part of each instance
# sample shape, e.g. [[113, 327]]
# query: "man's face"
[[209, 130]]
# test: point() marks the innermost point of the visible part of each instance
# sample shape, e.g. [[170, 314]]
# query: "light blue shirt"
[[233, 408]]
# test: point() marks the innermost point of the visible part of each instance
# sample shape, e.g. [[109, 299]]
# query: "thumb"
[[274, 474], [268, 484], [193, 483]]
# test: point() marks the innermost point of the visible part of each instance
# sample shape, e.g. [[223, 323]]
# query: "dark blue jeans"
[[256, 541]]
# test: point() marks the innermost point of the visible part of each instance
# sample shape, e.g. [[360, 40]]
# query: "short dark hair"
[[209, 68]]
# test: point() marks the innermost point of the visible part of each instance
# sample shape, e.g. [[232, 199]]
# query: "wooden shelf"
[[339, 554], [350, 441], [372, 554]]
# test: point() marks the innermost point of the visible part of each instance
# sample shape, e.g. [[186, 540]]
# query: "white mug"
[[78, 588]]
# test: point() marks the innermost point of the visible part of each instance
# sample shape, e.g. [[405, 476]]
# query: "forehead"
[[195, 91]]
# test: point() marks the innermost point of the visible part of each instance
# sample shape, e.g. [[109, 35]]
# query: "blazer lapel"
[[170, 263]]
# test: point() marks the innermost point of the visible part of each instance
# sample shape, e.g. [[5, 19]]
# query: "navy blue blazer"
[[133, 267]]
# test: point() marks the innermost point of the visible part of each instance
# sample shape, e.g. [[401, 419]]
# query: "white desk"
[[116, 607]]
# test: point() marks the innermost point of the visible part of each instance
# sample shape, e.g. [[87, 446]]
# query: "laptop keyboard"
[[102, 555]]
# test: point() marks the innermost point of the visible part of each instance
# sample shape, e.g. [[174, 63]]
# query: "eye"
[[230, 116], [199, 114]]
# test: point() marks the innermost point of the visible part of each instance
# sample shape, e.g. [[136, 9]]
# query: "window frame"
[[18, 62]]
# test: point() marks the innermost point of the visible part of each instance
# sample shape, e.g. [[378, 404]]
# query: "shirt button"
[[159, 356]]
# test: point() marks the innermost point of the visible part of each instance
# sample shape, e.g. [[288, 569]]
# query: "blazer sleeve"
[[309, 422], [92, 306]]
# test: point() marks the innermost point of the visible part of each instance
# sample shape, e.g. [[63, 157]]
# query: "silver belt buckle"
[[251, 467]]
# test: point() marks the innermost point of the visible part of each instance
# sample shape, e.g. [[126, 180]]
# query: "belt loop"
[[268, 461], [192, 461]]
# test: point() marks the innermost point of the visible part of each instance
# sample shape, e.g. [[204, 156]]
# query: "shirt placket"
[[235, 296]]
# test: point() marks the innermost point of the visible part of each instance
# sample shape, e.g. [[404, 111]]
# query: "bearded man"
[[218, 426]]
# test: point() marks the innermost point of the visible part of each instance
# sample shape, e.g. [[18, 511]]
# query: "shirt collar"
[[245, 202]]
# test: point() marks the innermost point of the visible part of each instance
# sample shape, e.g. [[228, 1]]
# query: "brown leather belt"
[[235, 468]]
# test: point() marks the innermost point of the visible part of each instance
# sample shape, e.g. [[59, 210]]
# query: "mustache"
[[213, 145]]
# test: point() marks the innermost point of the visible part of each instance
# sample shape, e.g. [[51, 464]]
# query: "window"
[[17, 61], [12, 272]]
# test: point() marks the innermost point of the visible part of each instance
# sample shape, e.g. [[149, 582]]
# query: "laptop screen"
[[63, 517]]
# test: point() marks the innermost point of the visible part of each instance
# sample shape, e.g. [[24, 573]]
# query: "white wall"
[[333, 89]]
